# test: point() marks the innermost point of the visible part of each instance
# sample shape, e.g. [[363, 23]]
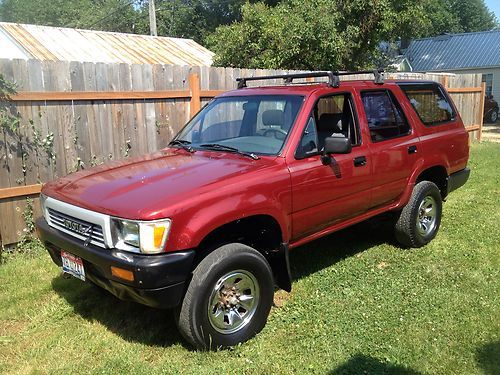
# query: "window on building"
[[488, 79]]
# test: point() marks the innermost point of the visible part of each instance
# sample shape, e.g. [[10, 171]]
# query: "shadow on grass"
[[362, 364], [488, 358], [131, 321], [154, 327], [326, 251]]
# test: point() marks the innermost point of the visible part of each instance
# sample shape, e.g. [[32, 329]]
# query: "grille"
[[76, 227]]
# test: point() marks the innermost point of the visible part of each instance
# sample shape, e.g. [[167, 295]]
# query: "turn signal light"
[[122, 274]]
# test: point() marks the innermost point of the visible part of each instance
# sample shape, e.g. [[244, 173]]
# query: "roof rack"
[[333, 77]]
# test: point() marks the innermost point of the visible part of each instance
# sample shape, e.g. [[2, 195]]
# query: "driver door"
[[324, 195]]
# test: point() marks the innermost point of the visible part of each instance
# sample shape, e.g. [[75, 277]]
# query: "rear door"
[[393, 144]]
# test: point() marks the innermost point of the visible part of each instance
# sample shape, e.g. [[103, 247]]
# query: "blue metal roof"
[[455, 51]]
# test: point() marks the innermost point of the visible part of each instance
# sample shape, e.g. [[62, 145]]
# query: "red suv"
[[205, 225]]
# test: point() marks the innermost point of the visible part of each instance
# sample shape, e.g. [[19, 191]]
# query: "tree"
[[317, 34], [112, 15], [337, 34], [193, 18]]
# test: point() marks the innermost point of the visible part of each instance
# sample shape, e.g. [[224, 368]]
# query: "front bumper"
[[159, 280]]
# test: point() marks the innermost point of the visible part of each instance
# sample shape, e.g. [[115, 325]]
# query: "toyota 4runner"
[[205, 225]]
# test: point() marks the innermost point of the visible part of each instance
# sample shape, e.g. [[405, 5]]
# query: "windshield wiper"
[[183, 143], [217, 146]]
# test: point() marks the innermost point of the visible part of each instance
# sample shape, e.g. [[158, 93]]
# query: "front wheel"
[[419, 221], [228, 299]]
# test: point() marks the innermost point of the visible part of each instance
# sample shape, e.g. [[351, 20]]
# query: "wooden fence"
[[75, 115]]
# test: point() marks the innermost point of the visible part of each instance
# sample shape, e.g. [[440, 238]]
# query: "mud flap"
[[280, 264]]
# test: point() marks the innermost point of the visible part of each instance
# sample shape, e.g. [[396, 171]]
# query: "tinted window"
[[385, 118], [430, 103]]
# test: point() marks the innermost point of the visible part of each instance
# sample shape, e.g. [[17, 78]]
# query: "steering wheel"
[[276, 131]]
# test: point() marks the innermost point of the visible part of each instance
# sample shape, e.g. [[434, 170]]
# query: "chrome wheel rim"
[[494, 116], [427, 215], [233, 301]]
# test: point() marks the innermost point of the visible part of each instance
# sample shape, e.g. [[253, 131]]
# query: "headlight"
[[147, 236]]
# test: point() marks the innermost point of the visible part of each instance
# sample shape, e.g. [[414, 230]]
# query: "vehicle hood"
[[141, 187]]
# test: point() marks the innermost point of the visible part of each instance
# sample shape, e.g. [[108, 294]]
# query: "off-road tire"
[[493, 117], [194, 321], [406, 228]]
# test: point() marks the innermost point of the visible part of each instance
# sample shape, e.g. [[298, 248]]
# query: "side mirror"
[[335, 144]]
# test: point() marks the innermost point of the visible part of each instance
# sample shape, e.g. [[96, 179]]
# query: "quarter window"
[[385, 118], [430, 103]]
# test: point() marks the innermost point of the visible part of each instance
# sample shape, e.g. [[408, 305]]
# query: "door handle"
[[360, 161], [412, 149]]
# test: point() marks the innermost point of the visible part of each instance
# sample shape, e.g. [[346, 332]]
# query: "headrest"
[[330, 122], [273, 117]]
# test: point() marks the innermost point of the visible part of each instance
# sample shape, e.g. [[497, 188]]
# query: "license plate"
[[73, 265]]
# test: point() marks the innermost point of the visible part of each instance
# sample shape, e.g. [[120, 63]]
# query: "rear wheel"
[[494, 116], [228, 299], [419, 221]]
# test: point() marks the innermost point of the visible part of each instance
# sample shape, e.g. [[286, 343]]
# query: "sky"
[[494, 6]]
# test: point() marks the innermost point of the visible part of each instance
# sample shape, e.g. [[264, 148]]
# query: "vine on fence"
[[14, 139]]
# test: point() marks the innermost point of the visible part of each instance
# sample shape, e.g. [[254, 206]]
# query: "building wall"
[[496, 78]]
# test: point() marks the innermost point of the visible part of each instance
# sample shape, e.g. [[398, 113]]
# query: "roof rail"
[[333, 77]]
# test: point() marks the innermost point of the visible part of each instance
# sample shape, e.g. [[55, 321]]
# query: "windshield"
[[252, 124]]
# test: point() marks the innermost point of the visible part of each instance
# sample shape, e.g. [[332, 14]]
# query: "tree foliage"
[[110, 15], [317, 34], [337, 34]]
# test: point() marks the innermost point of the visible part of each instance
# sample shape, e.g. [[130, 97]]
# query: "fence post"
[[444, 82], [481, 110], [194, 87]]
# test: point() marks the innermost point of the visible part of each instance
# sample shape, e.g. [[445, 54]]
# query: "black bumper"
[[159, 280], [458, 179]]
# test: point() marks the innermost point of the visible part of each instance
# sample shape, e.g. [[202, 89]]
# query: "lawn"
[[360, 304]]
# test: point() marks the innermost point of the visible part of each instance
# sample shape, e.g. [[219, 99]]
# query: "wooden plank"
[[44, 158], [464, 90], [481, 110], [211, 93], [9, 169], [161, 122], [149, 108], [194, 87], [20, 191], [105, 116], [125, 84], [80, 111], [473, 128], [99, 95], [96, 149], [115, 108], [140, 133]]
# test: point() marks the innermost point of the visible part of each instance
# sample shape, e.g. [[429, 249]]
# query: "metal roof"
[[455, 51], [19, 41]]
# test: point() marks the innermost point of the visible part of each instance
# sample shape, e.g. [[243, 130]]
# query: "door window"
[[385, 118], [331, 115]]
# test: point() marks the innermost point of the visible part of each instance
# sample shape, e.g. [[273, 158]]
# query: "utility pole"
[[152, 18]]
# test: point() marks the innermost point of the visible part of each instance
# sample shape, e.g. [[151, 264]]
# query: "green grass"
[[359, 304]]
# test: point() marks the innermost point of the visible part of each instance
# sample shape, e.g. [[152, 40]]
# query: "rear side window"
[[430, 103], [385, 118]]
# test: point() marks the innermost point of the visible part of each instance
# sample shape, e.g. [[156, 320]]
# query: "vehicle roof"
[[307, 89]]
